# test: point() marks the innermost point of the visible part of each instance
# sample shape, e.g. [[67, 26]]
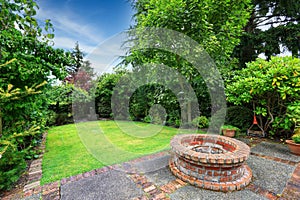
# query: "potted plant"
[[294, 144], [294, 115], [229, 130]]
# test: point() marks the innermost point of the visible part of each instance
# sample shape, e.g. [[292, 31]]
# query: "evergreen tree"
[[273, 28], [80, 72], [77, 56]]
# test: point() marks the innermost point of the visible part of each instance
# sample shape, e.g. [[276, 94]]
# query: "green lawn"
[[81, 147]]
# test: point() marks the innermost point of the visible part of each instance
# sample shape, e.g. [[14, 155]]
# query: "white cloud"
[[70, 28], [106, 55], [63, 22], [103, 57], [69, 43]]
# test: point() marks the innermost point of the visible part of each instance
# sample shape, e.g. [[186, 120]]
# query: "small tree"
[[29, 61], [11, 155], [77, 56], [271, 87], [80, 72]]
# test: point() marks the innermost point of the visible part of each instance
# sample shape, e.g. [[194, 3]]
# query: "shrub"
[[271, 86], [230, 127], [104, 91], [201, 122], [12, 164], [239, 116], [296, 138], [147, 119]]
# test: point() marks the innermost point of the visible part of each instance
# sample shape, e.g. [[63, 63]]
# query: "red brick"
[[207, 185], [231, 186], [180, 182], [79, 176], [203, 160], [63, 181], [238, 186], [160, 196], [215, 186], [86, 174], [53, 190], [37, 190], [146, 184], [209, 173], [149, 188], [201, 171], [208, 178], [199, 183], [28, 193], [216, 173], [166, 189]]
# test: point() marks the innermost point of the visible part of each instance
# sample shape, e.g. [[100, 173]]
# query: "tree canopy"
[[215, 25], [273, 28], [28, 65]]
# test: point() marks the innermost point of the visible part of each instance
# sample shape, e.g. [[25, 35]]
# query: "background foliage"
[[215, 25], [270, 87], [273, 28], [27, 62]]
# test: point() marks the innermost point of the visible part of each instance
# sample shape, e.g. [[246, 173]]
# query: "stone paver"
[[110, 185], [192, 193], [275, 150], [269, 174], [153, 164], [161, 176]]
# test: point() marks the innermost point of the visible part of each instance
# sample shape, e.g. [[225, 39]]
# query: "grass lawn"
[[76, 148]]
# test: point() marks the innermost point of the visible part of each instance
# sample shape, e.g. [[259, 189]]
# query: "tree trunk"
[[189, 112], [57, 107], [183, 102], [1, 131]]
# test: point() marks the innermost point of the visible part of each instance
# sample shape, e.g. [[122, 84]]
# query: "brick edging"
[[288, 162], [262, 191], [292, 189], [33, 187], [151, 191], [35, 170]]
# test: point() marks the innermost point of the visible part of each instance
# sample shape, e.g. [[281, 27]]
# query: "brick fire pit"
[[210, 161]]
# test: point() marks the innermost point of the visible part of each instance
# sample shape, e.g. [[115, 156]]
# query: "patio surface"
[[276, 175]]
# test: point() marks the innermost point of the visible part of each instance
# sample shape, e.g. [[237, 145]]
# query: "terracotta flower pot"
[[294, 147], [228, 132]]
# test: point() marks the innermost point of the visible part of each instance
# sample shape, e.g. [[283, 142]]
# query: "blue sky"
[[90, 22]]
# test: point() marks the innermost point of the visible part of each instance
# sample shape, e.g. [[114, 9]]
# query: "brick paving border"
[[292, 189], [288, 162], [35, 168], [151, 191]]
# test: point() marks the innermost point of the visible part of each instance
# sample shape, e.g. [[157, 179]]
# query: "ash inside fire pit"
[[209, 148]]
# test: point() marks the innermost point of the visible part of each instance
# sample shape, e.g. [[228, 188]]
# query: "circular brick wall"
[[210, 161]]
